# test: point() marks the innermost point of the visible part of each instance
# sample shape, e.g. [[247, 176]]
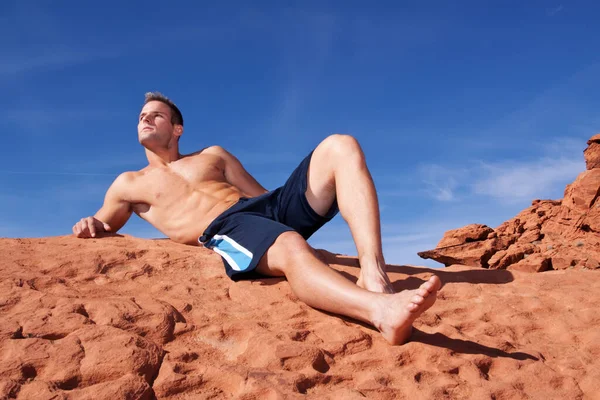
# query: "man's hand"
[[89, 227]]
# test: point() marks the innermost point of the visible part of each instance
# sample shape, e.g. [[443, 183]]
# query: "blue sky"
[[466, 111]]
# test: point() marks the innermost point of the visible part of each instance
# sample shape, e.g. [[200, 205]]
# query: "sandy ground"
[[120, 317]]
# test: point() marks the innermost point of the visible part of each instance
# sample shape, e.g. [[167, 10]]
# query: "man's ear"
[[178, 130]]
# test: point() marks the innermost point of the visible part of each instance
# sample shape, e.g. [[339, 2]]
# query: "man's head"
[[160, 122]]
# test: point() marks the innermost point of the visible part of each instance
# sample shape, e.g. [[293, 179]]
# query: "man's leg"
[[321, 287], [338, 170]]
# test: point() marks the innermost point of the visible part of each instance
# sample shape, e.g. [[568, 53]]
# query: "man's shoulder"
[[212, 150], [126, 179], [195, 153]]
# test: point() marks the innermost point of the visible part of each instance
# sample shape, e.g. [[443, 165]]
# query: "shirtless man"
[[208, 198]]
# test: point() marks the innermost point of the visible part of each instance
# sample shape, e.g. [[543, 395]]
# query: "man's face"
[[154, 124]]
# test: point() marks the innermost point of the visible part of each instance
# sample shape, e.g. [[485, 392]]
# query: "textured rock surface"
[[125, 318], [563, 234], [469, 233], [592, 153]]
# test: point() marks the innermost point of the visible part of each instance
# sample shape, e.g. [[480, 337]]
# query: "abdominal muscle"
[[184, 215]]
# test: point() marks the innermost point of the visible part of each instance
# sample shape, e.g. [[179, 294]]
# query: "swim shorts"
[[244, 232]]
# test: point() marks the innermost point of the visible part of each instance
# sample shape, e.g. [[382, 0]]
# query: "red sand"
[[120, 317]]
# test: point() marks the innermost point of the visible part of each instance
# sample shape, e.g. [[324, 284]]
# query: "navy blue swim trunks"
[[243, 233]]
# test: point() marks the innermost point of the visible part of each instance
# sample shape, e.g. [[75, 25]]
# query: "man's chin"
[[147, 140]]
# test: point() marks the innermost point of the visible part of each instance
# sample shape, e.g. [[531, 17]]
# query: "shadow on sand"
[[465, 346], [475, 275]]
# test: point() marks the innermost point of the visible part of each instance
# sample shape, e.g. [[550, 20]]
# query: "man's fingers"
[[81, 228], [78, 230], [91, 226]]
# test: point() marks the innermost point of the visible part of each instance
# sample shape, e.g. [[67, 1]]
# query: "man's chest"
[[199, 169], [176, 180]]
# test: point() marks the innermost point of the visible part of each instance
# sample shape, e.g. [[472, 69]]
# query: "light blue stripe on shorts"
[[237, 256]]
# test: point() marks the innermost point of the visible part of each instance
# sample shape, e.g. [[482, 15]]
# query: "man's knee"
[[289, 249], [343, 146]]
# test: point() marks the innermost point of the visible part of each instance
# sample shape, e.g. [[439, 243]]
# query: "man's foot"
[[397, 312], [376, 280]]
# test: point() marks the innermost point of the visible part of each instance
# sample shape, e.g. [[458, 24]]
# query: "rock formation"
[[549, 235]]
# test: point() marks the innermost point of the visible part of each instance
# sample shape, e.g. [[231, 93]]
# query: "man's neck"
[[162, 158]]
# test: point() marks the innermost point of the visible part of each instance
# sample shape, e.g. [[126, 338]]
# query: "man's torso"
[[182, 198]]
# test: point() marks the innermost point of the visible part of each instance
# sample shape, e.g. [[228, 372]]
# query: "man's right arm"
[[113, 214]]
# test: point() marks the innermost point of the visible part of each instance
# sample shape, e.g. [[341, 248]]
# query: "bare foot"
[[375, 280], [397, 312]]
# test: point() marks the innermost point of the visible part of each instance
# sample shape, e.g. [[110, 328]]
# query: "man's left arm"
[[236, 174]]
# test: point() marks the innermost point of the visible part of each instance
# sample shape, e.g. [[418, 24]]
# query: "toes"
[[416, 299], [436, 281], [422, 292], [432, 285], [427, 286]]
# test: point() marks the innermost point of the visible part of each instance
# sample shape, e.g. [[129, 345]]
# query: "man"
[[209, 198]]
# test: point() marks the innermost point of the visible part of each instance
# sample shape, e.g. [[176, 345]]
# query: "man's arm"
[[236, 174], [113, 214]]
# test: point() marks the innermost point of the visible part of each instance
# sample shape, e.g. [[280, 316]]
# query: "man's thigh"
[[293, 207]]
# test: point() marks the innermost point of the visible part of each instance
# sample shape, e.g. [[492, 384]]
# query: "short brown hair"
[[176, 117]]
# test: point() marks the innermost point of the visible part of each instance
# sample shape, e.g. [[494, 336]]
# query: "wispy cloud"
[[507, 181], [430, 180], [440, 182], [553, 11], [515, 182]]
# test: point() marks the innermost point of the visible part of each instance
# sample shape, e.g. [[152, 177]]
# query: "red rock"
[[147, 317], [511, 227], [40, 390], [594, 139], [126, 387], [496, 259], [56, 362], [513, 254], [473, 254], [592, 156], [581, 194], [533, 263], [592, 153], [125, 353], [466, 234], [9, 388], [566, 231], [530, 236], [590, 221]]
